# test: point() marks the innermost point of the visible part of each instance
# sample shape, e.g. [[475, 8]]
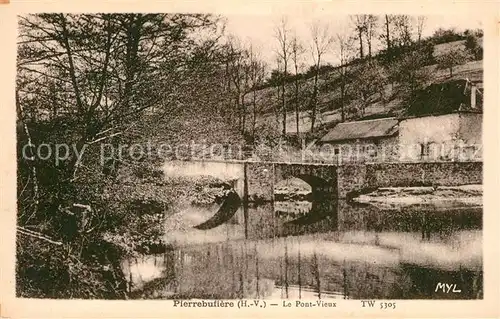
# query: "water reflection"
[[319, 249]]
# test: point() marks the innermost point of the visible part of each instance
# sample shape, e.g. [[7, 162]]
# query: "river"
[[303, 249]]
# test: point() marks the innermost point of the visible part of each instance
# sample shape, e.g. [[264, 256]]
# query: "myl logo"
[[447, 288]]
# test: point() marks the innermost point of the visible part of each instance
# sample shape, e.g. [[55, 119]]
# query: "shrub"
[[473, 47]]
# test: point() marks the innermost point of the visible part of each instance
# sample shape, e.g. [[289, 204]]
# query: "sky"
[[259, 30]]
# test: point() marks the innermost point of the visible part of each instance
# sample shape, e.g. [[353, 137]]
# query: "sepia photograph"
[[200, 156]]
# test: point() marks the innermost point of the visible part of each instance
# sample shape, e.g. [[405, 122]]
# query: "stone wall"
[[260, 181], [341, 181], [415, 174], [261, 178], [350, 178], [320, 177], [356, 178]]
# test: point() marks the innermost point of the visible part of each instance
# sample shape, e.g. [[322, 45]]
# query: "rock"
[[471, 190], [466, 195]]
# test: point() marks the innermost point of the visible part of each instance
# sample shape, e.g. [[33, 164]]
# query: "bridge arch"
[[307, 210], [318, 184], [321, 178]]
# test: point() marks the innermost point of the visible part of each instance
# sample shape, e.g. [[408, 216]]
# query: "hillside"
[[328, 109]]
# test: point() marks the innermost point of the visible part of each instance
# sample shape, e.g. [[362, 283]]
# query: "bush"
[[438, 99], [410, 74], [446, 35], [473, 47]]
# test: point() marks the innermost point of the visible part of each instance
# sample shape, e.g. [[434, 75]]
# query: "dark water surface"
[[316, 249]]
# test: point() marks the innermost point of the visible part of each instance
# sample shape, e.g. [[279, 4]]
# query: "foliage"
[[277, 77], [439, 99], [446, 35], [369, 83], [410, 73], [267, 134], [473, 47]]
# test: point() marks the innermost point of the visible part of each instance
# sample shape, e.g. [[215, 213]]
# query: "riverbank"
[[463, 195]]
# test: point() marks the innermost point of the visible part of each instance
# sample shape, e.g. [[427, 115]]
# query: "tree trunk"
[[360, 35], [227, 90], [388, 37], [244, 113], [387, 32], [315, 95], [31, 156], [254, 109], [369, 40], [364, 104], [313, 105], [276, 108], [342, 106], [283, 102], [297, 104], [238, 109]]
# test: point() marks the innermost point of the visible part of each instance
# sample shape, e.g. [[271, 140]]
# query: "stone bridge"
[[255, 181]]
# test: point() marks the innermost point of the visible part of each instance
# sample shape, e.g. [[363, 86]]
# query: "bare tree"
[[282, 32], [421, 20], [240, 71], [296, 55], [388, 31], [452, 58], [320, 44], [247, 86], [257, 76], [238, 76], [403, 30], [278, 71], [385, 35], [359, 21], [369, 82], [371, 31], [344, 45], [410, 74]]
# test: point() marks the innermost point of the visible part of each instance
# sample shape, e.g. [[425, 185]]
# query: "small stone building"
[[362, 141], [445, 124], [448, 137]]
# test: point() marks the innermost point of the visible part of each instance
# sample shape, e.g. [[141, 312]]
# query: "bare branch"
[[34, 234]]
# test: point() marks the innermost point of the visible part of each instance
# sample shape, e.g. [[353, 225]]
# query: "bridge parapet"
[[255, 181]]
